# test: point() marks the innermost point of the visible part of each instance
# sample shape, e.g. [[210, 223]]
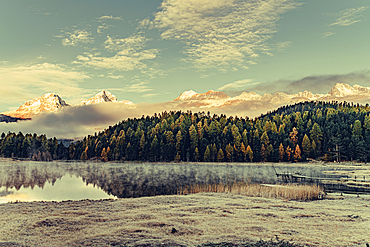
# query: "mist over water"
[[125, 180]]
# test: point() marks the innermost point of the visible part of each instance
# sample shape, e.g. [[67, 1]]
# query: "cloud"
[[221, 33], [79, 121], [115, 76], [75, 37], [314, 83], [327, 34], [129, 55], [140, 87], [22, 83], [110, 17], [348, 16], [145, 23], [101, 28], [236, 85]]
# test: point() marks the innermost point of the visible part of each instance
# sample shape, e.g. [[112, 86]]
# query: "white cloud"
[[221, 33], [129, 55], [115, 76], [101, 28], [76, 37], [146, 23], [23, 83], [109, 17], [327, 34], [237, 85], [348, 16]]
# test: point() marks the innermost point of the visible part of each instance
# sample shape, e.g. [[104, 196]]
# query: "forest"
[[328, 131]]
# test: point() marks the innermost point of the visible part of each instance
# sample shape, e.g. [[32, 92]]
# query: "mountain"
[[213, 99], [343, 90], [49, 102], [210, 95], [102, 97]]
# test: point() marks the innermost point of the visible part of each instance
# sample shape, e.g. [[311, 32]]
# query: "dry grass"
[[290, 192]]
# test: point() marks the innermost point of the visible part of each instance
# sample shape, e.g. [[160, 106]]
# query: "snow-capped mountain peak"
[[103, 96], [187, 95], [49, 102]]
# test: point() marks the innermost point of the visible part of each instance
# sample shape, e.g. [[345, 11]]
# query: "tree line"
[[319, 130]]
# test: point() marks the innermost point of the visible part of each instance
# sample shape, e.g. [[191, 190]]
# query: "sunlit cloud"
[[101, 28], [221, 33], [348, 16], [75, 37], [115, 76], [26, 82], [109, 17], [129, 55]]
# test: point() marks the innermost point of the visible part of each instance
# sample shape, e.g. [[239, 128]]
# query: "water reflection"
[[73, 181]]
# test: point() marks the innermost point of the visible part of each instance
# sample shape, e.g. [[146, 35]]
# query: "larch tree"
[[297, 153], [281, 152], [306, 146]]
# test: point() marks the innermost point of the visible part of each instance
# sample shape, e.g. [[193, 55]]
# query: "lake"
[[58, 181]]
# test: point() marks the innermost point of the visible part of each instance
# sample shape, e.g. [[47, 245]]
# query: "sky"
[[150, 51]]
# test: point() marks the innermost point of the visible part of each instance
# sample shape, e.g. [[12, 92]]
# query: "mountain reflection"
[[125, 180]]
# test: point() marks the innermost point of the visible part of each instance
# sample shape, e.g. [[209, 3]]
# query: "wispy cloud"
[[109, 17], [140, 87], [136, 87], [75, 37], [101, 28], [348, 16], [26, 82], [327, 34], [237, 85], [115, 76], [129, 55], [221, 33]]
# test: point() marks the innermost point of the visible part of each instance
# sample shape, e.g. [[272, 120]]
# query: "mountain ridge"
[[51, 102]]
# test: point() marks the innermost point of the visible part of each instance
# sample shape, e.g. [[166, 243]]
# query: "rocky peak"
[[103, 96]]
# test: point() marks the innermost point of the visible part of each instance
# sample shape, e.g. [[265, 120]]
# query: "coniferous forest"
[[310, 130]]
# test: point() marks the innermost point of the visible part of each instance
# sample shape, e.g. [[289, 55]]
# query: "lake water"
[[57, 181]]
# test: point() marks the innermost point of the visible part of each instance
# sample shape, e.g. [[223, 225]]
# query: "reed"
[[288, 191]]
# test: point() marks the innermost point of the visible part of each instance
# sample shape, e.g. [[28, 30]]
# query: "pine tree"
[[313, 146], [297, 153], [265, 139], [316, 135], [306, 146], [103, 155], [196, 155], [288, 152], [207, 155], [250, 153], [243, 151], [294, 136], [229, 152], [213, 152], [263, 153], [281, 152], [220, 155]]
